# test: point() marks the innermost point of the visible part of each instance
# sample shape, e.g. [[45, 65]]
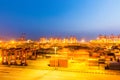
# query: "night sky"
[[81, 18]]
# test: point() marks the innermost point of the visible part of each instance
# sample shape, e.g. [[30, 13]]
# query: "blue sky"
[[82, 18]]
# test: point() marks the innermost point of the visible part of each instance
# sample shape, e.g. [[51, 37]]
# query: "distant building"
[[107, 39]]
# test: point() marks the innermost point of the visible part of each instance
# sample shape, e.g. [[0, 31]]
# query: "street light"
[[55, 50]]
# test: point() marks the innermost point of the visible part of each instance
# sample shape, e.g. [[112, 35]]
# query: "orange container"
[[54, 63], [63, 62]]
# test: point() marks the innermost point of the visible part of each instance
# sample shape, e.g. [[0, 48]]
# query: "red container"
[[63, 62]]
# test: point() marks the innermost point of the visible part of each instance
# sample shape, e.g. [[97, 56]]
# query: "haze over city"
[[81, 18]]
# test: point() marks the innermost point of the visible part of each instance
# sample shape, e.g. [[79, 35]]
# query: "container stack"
[[61, 62]]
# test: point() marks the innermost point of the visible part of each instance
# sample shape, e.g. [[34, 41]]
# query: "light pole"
[[55, 50]]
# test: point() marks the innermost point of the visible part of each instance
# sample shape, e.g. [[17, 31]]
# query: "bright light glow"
[[12, 41], [0, 41], [28, 41], [82, 41]]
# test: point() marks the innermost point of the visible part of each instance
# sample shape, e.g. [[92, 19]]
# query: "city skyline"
[[80, 18]]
